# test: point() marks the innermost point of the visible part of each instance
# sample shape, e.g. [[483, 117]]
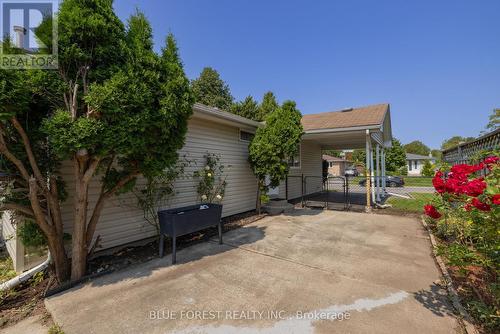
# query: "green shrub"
[[30, 234], [427, 169], [488, 315], [459, 255], [55, 329]]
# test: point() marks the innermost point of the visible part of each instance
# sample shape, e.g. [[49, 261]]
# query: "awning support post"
[[368, 207], [377, 175], [384, 193], [372, 172]]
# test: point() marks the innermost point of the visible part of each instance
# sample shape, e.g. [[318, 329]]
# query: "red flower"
[[468, 207], [462, 170], [480, 205], [496, 199], [491, 160], [475, 187], [454, 186], [438, 182], [431, 211], [479, 166]]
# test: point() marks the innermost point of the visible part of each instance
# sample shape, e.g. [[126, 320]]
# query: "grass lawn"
[[418, 181], [410, 181], [415, 205]]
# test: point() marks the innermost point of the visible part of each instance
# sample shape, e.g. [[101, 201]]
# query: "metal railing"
[[464, 153], [318, 189]]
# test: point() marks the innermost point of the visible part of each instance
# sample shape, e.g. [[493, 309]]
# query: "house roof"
[[347, 118], [411, 156], [333, 159], [221, 116]]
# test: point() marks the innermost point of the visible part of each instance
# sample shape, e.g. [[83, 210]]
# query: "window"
[[416, 164], [246, 136], [294, 162], [409, 164]]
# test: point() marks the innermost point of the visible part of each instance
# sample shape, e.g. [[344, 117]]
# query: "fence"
[[465, 152], [340, 192]]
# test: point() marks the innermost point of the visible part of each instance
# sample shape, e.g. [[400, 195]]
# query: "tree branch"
[[29, 152], [18, 208], [74, 113], [12, 158], [87, 176], [54, 206], [38, 212]]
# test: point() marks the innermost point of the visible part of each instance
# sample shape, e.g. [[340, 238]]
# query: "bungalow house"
[[336, 165], [211, 130], [415, 162]]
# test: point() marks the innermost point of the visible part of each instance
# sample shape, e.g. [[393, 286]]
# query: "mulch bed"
[[24, 301], [471, 284], [27, 299], [140, 254]]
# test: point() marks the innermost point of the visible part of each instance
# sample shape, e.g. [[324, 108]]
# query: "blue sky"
[[436, 62]]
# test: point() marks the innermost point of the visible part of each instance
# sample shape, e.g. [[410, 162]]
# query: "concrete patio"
[[349, 272]]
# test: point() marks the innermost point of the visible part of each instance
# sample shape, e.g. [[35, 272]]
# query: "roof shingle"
[[363, 116]]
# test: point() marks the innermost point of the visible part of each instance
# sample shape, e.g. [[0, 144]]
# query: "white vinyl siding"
[[12, 243], [22, 259], [121, 222], [310, 166]]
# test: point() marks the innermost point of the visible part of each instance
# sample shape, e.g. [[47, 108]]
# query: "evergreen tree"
[[211, 90], [248, 108], [268, 105], [427, 169], [274, 144], [115, 109]]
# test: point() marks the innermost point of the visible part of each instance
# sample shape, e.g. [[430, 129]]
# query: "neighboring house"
[[415, 162], [336, 166], [211, 130]]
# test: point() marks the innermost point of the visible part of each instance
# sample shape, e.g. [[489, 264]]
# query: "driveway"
[[310, 272]]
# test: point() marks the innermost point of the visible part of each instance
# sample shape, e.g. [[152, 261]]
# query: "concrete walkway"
[[311, 272], [31, 325]]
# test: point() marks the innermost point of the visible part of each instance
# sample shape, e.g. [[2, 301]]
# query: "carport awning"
[[348, 128], [344, 140], [356, 128]]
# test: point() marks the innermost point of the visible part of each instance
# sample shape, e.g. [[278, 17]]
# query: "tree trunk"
[[79, 242], [59, 257], [258, 196]]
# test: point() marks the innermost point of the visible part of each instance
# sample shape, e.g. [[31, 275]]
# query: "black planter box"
[[188, 219]]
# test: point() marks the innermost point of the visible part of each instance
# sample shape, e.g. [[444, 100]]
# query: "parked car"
[[351, 171], [390, 181]]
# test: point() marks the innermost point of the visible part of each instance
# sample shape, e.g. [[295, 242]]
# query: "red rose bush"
[[466, 209], [465, 215]]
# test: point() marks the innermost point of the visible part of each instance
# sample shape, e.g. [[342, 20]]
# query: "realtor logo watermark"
[[29, 34]]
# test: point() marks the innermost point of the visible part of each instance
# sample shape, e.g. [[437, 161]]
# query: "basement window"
[[246, 136]]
